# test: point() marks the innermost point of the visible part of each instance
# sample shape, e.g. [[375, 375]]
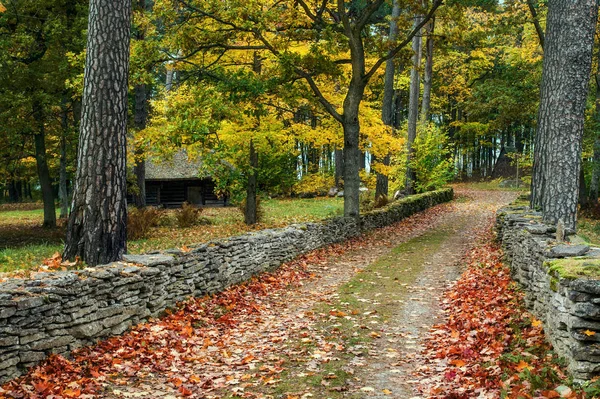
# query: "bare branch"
[[392, 53], [536, 22], [368, 13]]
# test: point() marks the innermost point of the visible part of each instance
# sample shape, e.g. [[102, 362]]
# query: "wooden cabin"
[[171, 183]]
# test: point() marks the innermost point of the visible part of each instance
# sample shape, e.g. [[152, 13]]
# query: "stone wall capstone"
[[561, 282], [57, 312]]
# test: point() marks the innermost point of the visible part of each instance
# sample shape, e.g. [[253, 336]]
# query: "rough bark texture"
[[428, 73], [97, 225], [382, 184], [250, 212], [565, 78], [41, 161], [413, 107]]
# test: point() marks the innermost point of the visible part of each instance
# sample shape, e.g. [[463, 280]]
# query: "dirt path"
[[353, 332]]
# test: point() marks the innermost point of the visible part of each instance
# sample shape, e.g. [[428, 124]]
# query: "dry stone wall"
[[561, 284], [61, 311]]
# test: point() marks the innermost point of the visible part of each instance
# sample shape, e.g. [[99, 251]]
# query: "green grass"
[[24, 244], [27, 257]]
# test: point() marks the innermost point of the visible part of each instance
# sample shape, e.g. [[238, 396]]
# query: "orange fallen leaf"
[[589, 333]]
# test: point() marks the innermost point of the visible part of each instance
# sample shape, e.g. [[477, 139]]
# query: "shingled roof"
[[177, 168]]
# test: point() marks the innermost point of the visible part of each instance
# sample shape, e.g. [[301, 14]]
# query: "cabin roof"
[[176, 168]]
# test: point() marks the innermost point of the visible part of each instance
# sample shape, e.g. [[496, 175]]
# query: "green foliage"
[[315, 184], [431, 161]]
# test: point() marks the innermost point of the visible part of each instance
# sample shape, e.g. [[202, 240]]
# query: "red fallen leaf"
[[184, 391], [42, 386], [550, 394]]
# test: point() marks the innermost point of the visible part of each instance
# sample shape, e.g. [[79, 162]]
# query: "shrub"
[[188, 215], [140, 220], [314, 184], [431, 161], [367, 202], [381, 201]]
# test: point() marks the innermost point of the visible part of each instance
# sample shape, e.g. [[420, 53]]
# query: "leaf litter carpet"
[[326, 325]]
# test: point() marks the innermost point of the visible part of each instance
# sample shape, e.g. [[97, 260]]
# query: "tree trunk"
[[97, 229], [351, 164], [536, 22], [565, 77], [428, 74], [140, 120], [63, 194], [382, 185], [413, 108], [250, 212], [42, 166], [596, 159], [388, 110]]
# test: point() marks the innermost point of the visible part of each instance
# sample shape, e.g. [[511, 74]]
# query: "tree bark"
[[97, 228], [42, 166], [565, 77], [250, 212], [382, 183], [413, 108], [428, 73]]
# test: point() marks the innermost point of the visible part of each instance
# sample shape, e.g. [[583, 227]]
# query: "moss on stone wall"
[[573, 268]]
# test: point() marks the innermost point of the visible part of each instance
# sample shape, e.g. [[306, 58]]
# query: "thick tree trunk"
[[351, 164], [565, 78], [140, 120], [250, 212], [63, 193], [97, 229], [413, 108], [428, 73], [42, 167]]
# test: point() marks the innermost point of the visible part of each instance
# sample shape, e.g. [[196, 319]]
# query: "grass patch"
[[27, 257], [573, 268], [24, 244], [371, 295], [490, 185]]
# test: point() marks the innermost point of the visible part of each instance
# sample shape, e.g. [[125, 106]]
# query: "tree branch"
[[367, 13], [392, 53], [536, 22]]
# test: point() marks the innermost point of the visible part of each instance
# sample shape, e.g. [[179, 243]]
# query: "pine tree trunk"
[[428, 74], [565, 77], [250, 212], [97, 229], [413, 108], [42, 167]]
